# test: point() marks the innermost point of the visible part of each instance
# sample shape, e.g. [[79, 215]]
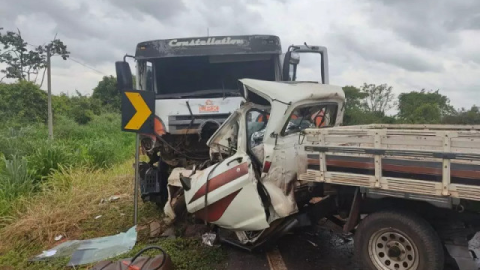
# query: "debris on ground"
[[209, 239], [99, 216], [313, 244], [91, 250], [155, 229], [112, 198], [58, 237], [169, 233]]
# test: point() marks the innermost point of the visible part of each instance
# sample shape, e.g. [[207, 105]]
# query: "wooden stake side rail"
[[431, 160]]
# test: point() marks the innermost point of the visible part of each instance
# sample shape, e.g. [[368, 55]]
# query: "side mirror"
[[124, 76], [186, 182], [294, 58]]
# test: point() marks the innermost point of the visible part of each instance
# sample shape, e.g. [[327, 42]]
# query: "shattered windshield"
[[257, 121]]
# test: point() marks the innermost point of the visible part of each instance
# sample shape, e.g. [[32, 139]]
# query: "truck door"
[[229, 187], [293, 58]]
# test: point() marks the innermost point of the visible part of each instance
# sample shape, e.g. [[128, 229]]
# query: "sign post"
[[135, 189], [138, 110]]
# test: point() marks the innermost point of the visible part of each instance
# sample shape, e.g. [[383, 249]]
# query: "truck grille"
[[179, 124]]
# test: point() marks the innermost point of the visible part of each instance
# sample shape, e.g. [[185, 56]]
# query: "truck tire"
[[397, 240]]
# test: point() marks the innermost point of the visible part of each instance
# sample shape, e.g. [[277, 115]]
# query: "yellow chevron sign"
[[137, 107]]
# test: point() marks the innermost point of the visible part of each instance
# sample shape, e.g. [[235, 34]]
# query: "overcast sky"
[[431, 44]]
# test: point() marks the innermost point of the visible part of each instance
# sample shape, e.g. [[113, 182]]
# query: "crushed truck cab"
[[256, 151]]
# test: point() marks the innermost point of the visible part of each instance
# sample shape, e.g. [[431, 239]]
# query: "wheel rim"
[[392, 249]]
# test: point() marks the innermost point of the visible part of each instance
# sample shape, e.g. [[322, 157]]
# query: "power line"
[[89, 67], [76, 61]]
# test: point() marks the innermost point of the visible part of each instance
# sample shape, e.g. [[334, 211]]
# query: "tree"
[[423, 107], [379, 98], [464, 117], [23, 63], [107, 92], [83, 108], [357, 111], [354, 98]]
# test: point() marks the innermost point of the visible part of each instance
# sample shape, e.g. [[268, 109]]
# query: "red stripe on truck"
[[216, 210], [220, 180]]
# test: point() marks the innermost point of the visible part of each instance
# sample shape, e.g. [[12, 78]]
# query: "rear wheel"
[[397, 240]]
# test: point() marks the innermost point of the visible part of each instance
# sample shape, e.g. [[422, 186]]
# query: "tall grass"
[[15, 180], [28, 157]]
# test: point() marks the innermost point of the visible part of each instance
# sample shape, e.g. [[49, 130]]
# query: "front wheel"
[[397, 240]]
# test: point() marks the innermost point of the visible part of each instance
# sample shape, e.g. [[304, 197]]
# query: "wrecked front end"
[[179, 140], [250, 190]]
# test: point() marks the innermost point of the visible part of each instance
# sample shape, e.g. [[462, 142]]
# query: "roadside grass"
[[25, 150], [67, 204]]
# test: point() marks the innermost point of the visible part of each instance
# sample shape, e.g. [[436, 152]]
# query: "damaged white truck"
[[409, 193]]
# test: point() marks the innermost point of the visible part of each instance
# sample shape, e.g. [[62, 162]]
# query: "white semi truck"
[[195, 81]]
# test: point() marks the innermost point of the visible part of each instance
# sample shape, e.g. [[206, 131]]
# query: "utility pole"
[[49, 82]]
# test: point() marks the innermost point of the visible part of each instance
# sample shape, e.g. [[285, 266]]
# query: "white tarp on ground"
[[91, 250]]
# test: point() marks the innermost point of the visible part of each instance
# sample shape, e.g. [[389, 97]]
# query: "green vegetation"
[[86, 135], [369, 104]]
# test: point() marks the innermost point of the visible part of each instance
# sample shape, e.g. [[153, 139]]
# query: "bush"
[[83, 109], [19, 139], [49, 156], [23, 100]]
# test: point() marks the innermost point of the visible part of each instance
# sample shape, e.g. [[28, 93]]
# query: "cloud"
[[429, 23], [162, 10], [383, 48], [408, 44]]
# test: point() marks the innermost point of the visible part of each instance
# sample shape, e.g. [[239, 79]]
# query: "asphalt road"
[[318, 248]]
